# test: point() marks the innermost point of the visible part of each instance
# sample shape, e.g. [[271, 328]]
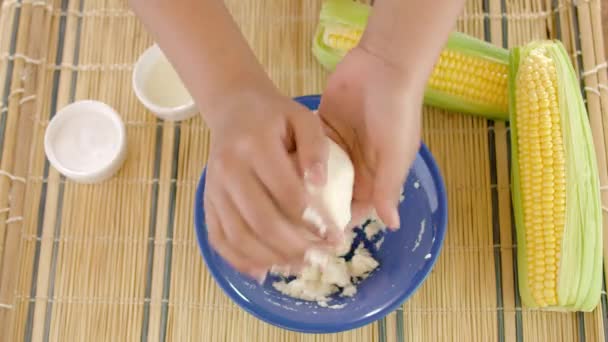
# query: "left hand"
[[373, 110]]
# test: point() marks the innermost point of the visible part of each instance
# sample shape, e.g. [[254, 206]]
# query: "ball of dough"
[[335, 197]]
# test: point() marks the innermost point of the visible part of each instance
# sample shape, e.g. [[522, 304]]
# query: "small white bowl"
[[86, 141], [143, 78]]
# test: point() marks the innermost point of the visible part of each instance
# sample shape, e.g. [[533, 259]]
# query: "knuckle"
[[245, 145]]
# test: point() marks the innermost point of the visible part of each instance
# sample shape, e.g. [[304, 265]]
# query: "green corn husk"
[[470, 75], [578, 277]]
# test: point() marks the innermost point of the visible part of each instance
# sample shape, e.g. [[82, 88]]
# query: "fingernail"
[[313, 236], [395, 220], [259, 276], [315, 174]]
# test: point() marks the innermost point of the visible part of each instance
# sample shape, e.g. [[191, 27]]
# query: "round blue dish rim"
[[312, 103]]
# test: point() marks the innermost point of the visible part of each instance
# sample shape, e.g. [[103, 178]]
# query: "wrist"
[[412, 65], [228, 104], [407, 77]]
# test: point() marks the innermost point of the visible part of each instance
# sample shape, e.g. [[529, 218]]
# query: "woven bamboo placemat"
[[119, 261]]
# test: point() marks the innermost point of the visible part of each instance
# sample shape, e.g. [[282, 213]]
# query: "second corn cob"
[[470, 75], [556, 197]]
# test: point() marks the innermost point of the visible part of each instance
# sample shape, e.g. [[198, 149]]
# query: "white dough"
[[327, 271], [344, 247], [362, 263], [305, 289], [336, 272], [335, 197], [373, 228], [349, 291]]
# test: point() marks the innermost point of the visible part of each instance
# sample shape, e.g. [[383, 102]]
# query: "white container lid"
[[86, 141], [159, 88]]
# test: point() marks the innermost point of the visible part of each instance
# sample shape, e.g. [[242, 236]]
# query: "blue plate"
[[406, 258]]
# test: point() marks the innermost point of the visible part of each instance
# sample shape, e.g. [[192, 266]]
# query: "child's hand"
[[262, 146], [374, 110]]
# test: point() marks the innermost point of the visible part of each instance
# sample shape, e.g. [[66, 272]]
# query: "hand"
[[373, 109], [262, 146]]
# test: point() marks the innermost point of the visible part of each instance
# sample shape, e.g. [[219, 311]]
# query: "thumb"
[[311, 146], [391, 171]]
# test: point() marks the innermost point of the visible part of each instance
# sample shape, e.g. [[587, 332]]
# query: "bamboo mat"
[[119, 261]]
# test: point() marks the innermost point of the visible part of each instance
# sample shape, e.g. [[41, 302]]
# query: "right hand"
[[262, 147]]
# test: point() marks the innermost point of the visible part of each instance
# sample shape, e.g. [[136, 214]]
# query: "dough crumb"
[[328, 274], [349, 291], [373, 228], [306, 289], [345, 246], [324, 304], [362, 263]]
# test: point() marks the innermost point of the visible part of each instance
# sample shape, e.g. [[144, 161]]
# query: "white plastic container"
[[159, 88], [86, 141]]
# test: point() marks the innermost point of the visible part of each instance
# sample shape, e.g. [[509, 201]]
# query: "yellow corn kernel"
[[341, 38], [556, 200], [470, 78], [539, 142], [471, 75]]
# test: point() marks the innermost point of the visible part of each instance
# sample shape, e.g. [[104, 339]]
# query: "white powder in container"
[[86, 142]]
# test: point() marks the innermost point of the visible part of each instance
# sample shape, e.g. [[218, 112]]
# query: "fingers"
[[360, 211], [391, 172], [311, 146], [237, 231], [256, 194], [278, 172], [218, 240], [267, 221]]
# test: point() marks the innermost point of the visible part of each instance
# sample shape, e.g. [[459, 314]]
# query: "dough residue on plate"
[[336, 275], [338, 272]]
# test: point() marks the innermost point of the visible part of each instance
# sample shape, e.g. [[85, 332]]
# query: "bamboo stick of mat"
[[119, 261]]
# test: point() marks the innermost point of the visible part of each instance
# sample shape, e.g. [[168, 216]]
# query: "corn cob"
[[556, 196], [470, 75], [341, 25]]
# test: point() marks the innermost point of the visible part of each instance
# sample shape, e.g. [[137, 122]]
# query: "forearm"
[[410, 33], [206, 48]]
